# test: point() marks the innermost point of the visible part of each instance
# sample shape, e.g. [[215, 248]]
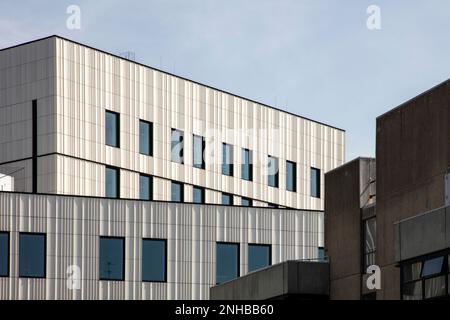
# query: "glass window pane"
[[153, 260], [246, 166], [4, 254], [412, 271], [370, 235], [112, 183], [111, 258], [32, 255], [315, 183], [227, 159], [227, 259], [112, 129], [435, 287], [145, 187], [199, 150], [432, 266], [291, 176], [258, 257], [412, 291], [272, 171], [272, 205], [321, 254], [199, 195], [177, 192], [246, 202], [145, 137], [177, 146], [227, 199]]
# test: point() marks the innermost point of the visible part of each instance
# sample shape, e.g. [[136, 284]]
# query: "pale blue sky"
[[315, 58]]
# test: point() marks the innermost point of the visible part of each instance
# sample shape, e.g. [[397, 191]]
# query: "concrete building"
[[99, 145]]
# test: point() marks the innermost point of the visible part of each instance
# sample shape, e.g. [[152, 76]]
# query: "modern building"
[[140, 182], [405, 232]]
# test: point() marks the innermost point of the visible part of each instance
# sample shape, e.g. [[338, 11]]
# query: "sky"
[[315, 58]]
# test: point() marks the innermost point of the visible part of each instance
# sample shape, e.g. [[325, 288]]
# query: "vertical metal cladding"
[[73, 226]]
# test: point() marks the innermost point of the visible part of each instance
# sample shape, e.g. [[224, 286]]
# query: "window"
[[112, 257], [227, 159], [145, 187], [145, 137], [154, 260], [272, 167], [112, 184], [315, 183], [227, 262], [177, 145], [246, 202], [369, 249], [432, 266], [291, 176], [259, 256], [198, 152], [112, 126], [321, 254], [199, 195], [4, 254], [227, 199], [247, 165], [32, 254], [272, 205], [177, 192]]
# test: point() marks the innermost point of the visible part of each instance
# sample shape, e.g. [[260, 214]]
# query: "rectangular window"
[[32, 255], [259, 256], [177, 194], [199, 195], [369, 234], [227, 159], [432, 266], [154, 261], [145, 137], [227, 262], [291, 176], [198, 152], [315, 183], [247, 165], [145, 187], [272, 171], [112, 182], [246, 202], [112, 258], [112, 129], [272, 205], [4, 254], [227, 199], [177, 146], [435, 287]]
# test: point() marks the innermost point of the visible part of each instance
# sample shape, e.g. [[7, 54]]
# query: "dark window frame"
[[118, 128], [150, 138], [227, 166], [294, 178], [150, 177], [275, 176], [244, 165], [8, 269], [202, 165], [180, 141], [123, 257], [318, 182], [238, 257], [250, 201], [45, 254], [364, 253], [258, 245], [117, 169], [231, 199], [165, 260], [203, 194], [181, 184]]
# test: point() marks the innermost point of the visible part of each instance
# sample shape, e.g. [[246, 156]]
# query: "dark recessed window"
[[291, 176], [112, 182], [145, 137], [246, 202], [227, 159], [154, 260], [227, 262], [198, 152], [272, 171], [112, 129], [177, 146], [247, 165], [112, 255], [198, 195], [272, 205], [32, 255], [321, 254], [227, 199], [145, 187], [4, 254], [432, 266], [370, 239], [315, 183], [259, 256], [177, 194]]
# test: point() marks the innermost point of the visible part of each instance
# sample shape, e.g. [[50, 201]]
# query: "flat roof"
[[174, 75]]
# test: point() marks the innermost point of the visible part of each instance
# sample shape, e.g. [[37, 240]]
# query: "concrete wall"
[[73, 226], [413, 154]]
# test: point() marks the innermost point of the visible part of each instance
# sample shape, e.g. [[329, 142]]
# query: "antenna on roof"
[[129, 55]]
